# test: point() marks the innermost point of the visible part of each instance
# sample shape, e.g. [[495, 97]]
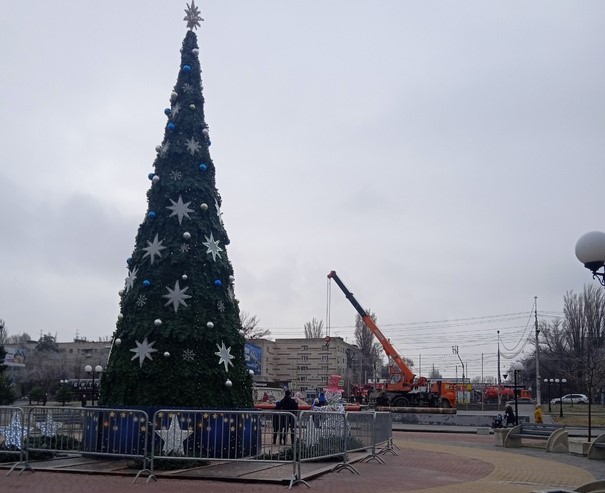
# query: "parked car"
[[571, 399]]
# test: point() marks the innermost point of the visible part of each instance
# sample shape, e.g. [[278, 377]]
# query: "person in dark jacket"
[[287, 422], [509, 416]]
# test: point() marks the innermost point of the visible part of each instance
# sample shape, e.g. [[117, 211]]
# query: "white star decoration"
[[173, 437], [219, 214], [179, 209], [164, 149], [132, 276], [176, 175], [176, 296], [187, 88], [175, 109], [224, 355], [213, 247], [154, 248], [221, 306], [14, 432], [192, 145], [48, 427], [184, 248], [141, 300], [143, 350]]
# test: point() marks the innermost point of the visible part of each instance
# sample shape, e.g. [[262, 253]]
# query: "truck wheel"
[[445, 403], [400, 402]]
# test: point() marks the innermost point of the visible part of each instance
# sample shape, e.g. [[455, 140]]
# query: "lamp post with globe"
[[97, 370], [590, 250]]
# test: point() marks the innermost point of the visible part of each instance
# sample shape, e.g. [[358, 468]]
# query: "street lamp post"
[[560, 382], [97, 370], [63, 384], [590, 250], [549, 381], [517, 367]]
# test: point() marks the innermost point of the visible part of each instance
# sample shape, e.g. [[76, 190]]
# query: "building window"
[[304, 347], [304, 357]]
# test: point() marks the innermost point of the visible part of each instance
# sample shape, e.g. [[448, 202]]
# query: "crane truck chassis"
[[403, 388]]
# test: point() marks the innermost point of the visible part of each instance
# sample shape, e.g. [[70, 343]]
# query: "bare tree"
[[250, 326], [3, 332], [371, 362], [314, 329]]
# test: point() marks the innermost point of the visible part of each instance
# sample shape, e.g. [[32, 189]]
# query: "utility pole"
[[538, 378], [499, 379]]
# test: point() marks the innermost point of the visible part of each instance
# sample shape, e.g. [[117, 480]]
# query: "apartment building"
[[305, 365]]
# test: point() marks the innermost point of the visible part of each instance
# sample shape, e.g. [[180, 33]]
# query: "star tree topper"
[[192, 16]]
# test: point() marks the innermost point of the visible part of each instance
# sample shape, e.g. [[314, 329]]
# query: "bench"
[[557, 438], [597, 448]]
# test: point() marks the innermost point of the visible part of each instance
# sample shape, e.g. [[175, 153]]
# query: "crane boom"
[[406, 377]]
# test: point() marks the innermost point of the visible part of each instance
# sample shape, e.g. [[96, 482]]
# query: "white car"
[[571, 399]]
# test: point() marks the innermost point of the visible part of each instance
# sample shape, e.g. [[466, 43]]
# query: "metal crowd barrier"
[[219, 435], [12, 429], [76, 431], [277, 437], [383, 435]]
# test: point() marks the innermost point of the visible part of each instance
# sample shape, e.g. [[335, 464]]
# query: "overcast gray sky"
[[442, 157]]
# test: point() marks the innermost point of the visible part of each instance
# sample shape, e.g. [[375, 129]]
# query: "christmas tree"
[[178, 340]]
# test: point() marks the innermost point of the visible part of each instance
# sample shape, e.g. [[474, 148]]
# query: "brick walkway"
[[436, 461]]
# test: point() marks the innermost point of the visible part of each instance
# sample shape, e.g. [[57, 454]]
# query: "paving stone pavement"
[[427, 462]]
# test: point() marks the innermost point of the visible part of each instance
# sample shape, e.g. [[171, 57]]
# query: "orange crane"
[[403, 388]]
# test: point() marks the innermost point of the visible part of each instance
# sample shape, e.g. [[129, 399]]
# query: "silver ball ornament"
[[228, 383], [174, 95], [120, 316], [210, 325], [158, 148], [251, 373], [121, 292], [195, 51], [118, 341], [241, 332], [191, 106], [157, 322], [155, 179], [184, 277], [166, 354], [204, 206], [231, 278], [187, 235]]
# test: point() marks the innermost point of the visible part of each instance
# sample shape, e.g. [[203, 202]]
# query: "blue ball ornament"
[[151, 215], [186, 68], [146, 283], [218, 283], [171, 126], [203, 167], [167, 111], [150, 176]]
